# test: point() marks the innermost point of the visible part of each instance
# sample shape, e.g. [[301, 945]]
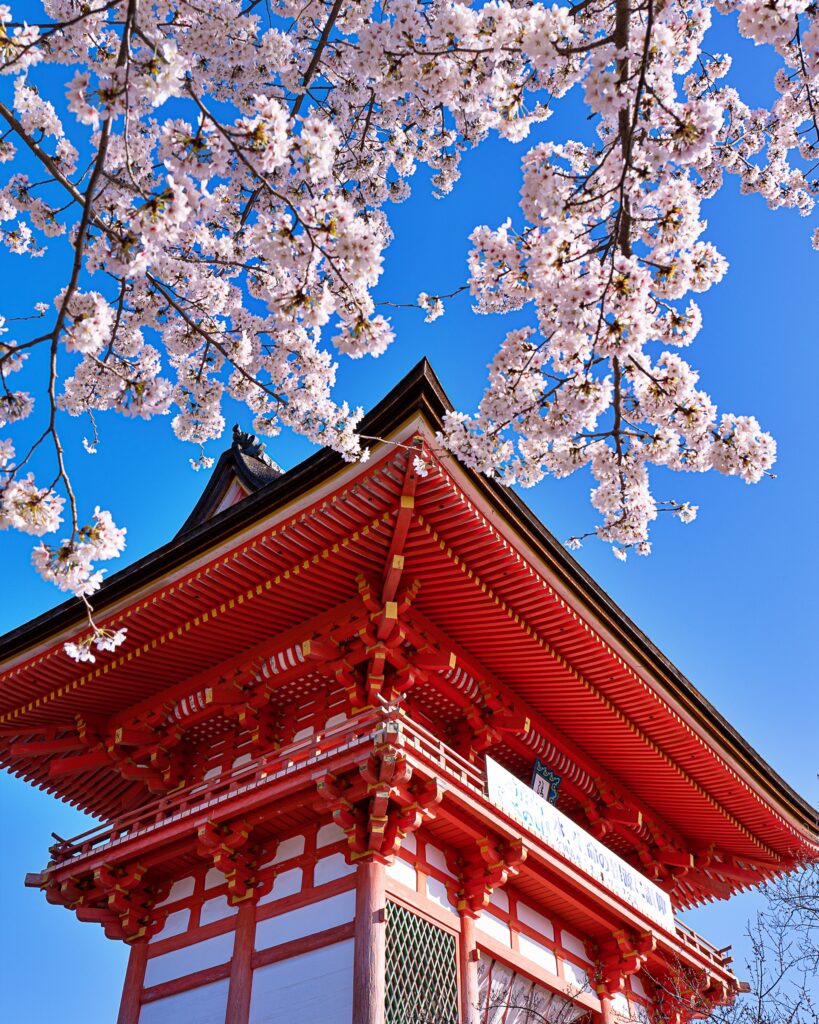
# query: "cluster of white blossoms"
[[221, 177]]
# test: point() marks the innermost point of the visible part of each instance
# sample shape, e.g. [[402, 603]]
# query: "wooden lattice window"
[[422, 976]]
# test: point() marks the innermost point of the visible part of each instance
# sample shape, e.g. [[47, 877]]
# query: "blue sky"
[[730, 599]]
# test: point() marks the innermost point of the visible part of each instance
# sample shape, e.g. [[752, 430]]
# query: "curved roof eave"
[[420, 393]]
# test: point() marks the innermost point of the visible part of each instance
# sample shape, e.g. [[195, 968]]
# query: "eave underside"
[[624, 750]]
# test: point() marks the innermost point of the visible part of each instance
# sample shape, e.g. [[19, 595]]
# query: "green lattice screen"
[[422, 980]]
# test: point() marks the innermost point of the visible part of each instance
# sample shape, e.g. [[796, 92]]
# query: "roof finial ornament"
[[249, 444]]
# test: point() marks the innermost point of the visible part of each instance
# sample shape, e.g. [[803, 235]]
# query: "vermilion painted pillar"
[[132, 987], [241, 969], [468, 956], [370, 944], [606, 1014]]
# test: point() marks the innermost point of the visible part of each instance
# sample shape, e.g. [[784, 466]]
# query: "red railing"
[[356, 732], [370, 728], [367, 728], [702, 946]]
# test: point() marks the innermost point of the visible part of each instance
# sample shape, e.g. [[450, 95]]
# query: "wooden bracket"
[[231, 850], [488, 866], [118, 898], [378, 811], [618, 957]]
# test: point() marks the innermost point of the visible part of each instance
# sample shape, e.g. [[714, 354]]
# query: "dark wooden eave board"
[[421, 392]]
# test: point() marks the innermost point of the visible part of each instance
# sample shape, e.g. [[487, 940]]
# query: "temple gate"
[[378, 750]]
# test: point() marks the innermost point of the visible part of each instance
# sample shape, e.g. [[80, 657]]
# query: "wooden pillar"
[[132, 987], [241, 969], [606, 1012], [370, 944], [468, 957]]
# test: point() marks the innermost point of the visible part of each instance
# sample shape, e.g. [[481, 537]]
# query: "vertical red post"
[[132, 988], [370, 944], [468, 958], [241, 966], [606, 1013]]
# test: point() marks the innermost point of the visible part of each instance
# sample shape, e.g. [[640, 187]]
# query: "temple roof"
[[241, 470], [247, 579]]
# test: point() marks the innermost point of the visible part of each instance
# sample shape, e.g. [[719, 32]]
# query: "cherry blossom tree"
[[780, 968], [221, 174]]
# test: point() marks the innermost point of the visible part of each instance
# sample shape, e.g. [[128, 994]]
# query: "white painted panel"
[[409, 844], [179, 891], [335, 720], [537, 953], [213, 878], [302, 734], [499, 899], [188, 959], [436, 891], [494, 927], [286, 884], [215, 910], [175, 924], [242, 759], [403, 872], [292, 847], [330, 833], [533, 919], [313, 987], [315, 917], [203, 1005], [637, 986], [436, 858], [574, 945], [330, 868], [619, 1004], [575, 975], [212, 773]]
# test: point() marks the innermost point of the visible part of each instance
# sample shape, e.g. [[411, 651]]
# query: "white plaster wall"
[[535, 920], [288, 883], [328, 869], [316, 917], [179, 890], [436, 891], [403, 872], [316, 988], [637, 986], [575, 975], [214, 877], [292, 847], [203, 1005], [215, 910], [436, 859], [499, 899], [196, 957], [619, 1004], [175, 924], [494, 927], [537, 953], [574, 945], [329, 833]]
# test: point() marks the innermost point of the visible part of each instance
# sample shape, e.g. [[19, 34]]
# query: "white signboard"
[[560, 833]]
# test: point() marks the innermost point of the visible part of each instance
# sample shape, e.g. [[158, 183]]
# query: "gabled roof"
[[494, 580], [242, 469]]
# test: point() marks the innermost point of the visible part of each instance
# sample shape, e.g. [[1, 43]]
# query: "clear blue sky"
[[730, 599]]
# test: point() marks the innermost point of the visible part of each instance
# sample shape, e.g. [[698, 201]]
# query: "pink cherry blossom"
[[223, 183]]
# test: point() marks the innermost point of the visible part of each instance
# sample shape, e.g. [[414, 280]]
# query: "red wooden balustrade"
[[362, 731]]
